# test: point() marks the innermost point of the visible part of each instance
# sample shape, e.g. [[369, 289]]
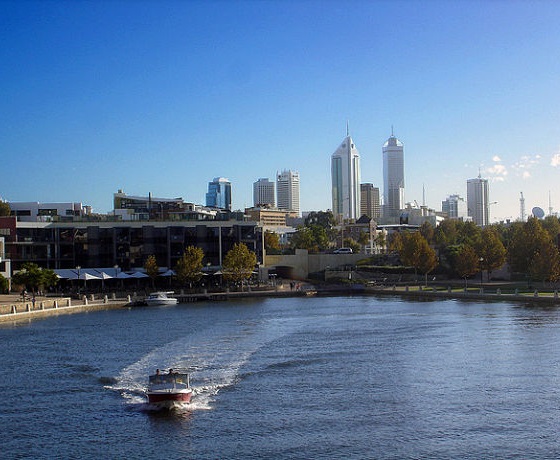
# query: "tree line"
[[455, 248], [238, 265]]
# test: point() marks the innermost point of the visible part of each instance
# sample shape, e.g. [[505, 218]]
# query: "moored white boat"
[[161, 298], [169, 390]]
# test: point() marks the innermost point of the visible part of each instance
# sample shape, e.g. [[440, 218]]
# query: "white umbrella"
[[123, 276], [88, 276], [168, 273], [104, 276]]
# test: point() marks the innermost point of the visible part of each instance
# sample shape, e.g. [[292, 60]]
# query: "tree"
[[427, 259], [352, 243], [314, 238], [526, 241], [446, 233], [152, 269], [491, 251], [272, 242], [34, 277], [415, 252], [5, 210], [427, 231], [467, 262], [545, 264], [189, 266], [324, 219], [239, 263], [4, 285], [552, 225]]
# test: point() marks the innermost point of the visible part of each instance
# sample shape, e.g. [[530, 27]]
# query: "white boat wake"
[[213, 358]]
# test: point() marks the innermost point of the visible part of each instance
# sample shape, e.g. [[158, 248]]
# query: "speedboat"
[[161, 298], [169, 390]]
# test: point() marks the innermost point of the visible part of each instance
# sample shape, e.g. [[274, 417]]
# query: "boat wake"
[[213, 358]]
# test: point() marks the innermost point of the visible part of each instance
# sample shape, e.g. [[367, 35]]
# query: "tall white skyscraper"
[[393, 176], [287, 191], [263, 193], [345, 173], [477, 200]]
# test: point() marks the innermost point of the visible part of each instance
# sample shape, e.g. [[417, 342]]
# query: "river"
[[335, 377]]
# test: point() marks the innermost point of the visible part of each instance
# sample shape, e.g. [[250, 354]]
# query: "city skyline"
[[162, 96]]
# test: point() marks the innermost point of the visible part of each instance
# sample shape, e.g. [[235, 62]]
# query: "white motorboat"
[[161, 298]]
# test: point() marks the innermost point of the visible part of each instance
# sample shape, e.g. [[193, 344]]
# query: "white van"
[[343, 251]]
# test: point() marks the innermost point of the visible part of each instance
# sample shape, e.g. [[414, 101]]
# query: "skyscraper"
[[219, 193], [263, 193], [477, 200], [369, 201], [345, 173], [287, 191], [393, 176], [455, 207]]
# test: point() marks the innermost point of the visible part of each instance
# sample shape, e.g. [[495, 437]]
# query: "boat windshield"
[[170, 378]]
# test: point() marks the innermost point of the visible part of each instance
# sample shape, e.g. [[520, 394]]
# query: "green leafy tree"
[[34, 277], [152, 269], [491, 251], [189, 266], [427, 260], [526, 241], [239, 263], [4, 285], [545, 264], [324, 219], [468, 233], [352, 243], [272, 242], [4, 209], [427, 231], [313, 238], [552, 225], [446, 233], [466, 262]]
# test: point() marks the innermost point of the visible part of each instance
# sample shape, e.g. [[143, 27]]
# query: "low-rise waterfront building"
[[125, 244]]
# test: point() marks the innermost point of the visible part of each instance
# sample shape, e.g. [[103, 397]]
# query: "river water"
[[337, 377]]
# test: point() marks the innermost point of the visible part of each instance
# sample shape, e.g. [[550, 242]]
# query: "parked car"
[[343, 251]]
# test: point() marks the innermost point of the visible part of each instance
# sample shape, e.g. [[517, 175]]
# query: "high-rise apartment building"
[[370, 204], [477, 200], [455, 207], [219, 193], [345, 173], [393, 176], [287, 191], [263, 193]]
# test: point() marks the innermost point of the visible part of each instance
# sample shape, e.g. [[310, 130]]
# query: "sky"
[[162, 96]]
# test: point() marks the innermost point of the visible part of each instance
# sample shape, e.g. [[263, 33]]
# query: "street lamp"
[[78, 269]]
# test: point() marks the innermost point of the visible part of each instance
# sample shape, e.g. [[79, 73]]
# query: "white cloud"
[[496, 158], [555, 160], [497, 170]]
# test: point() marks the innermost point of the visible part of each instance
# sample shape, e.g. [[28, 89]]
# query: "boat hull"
[[161, 302], [169, 399]]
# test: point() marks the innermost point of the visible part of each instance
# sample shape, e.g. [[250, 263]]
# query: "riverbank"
[[12, 308]]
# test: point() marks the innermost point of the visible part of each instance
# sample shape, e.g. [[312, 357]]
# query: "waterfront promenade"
[[12, 308]]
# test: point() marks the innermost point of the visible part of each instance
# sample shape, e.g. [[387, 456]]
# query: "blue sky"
[[163, 96]]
